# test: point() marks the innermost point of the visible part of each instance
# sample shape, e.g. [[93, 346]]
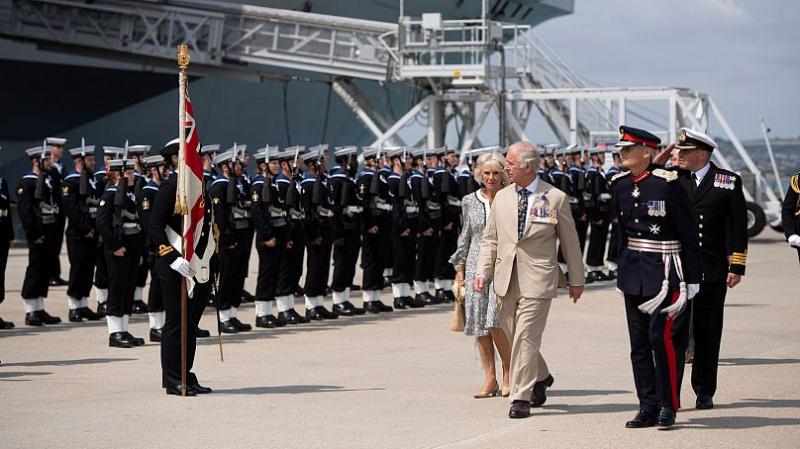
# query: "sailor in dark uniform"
[[429, 226], [346, 232], [447, 194], [372, 193], [80, 200], [718, 204], [232, 219], [272, 233], [659, 271], [209, 152], [240, 170], [170, 266], [597, 200], [318, 206], [56, 175], [101, 269], [405, 227], [6, 236], [138, 153], [577, 175], [145, 198], [384, 169], [289, 205], [119, 225], [38, 213], [790, 213]]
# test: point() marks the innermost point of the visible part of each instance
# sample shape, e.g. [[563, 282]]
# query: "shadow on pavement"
[[576, 393], [7, 375], [67, 362], [755, 361], [293, 389], [737, 422]]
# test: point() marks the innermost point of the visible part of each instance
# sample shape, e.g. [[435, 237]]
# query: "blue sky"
[[744, 53]]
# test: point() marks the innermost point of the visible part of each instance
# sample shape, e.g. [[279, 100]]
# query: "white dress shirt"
[[531, 188], [700, 174]]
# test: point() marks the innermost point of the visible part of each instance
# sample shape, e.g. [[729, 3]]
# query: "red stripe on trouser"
[[671, 357]]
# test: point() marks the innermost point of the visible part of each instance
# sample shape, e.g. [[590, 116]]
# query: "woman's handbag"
[[459, 317]]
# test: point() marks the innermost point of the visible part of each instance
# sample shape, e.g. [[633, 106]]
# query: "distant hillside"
[[786, 151]]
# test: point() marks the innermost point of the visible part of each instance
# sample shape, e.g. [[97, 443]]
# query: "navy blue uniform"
[[80, 208], [6, 234]]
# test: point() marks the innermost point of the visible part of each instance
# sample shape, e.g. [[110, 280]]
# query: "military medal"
[[655, 229], [657, 208], [723, 181], [636, 192]]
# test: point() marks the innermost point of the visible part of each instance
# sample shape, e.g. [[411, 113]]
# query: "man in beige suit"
[[519, 251]]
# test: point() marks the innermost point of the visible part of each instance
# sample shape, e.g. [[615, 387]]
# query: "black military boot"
[[119, 340], [135, 340], [227, 327], [372, 307], [280, 322], [299, 319], [414, 303], [424, 298], [449, 296], [266, 321], [140, 307]]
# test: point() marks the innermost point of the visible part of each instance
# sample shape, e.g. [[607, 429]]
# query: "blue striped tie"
[[522, 209]]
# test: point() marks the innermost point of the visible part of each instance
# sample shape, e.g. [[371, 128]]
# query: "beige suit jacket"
[[536, 253]]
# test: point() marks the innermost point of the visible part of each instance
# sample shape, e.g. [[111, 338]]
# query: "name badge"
[[657, 208], [723, 181]]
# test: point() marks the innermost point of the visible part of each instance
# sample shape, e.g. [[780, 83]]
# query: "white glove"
[[183, 267], [691, 290], [794, 240]]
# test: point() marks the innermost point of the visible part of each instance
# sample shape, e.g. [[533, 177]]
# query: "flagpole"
[[180, 203]]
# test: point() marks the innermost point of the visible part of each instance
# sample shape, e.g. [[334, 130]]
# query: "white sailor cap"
[[268, 152], [170, 148], [299, 149], [418, 153], [370, 152], [223, 158], [345, 151], [237, 149], [474, 153], [393, 152], [690, 139], [153, 161], [120, 165], [441, 151], [138, 150], [321, 147], [35, 152], [311, 155], [209, 149], [56, 141], [287, 154], [114, 152], [86, 150]]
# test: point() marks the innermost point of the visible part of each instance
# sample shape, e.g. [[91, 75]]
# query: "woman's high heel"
[[506, 391], [487, 394]]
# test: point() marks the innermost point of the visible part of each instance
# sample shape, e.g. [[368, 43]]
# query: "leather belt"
[[455, 202], [240, 224], [3, 212], [325, 213], [131, 228]]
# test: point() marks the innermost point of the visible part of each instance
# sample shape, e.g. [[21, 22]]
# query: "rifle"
[[291, 192], [266, 191], [38, 193], [424, 192], [231, 196], [316, 194], [121, 196], [83, 189], [403, 188], [374, 183]]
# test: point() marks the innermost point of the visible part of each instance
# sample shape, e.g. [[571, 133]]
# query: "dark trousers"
[[707, 313], [4, 246], [403, 258], [141, 273], [122, 272], [613, 243], [318, 264], [290, 263], [40, 264], [385, 228], [171, 332], [155, 296], [581, 226], [82, 257], [373, 249], [248, 249], [231, 275], [424, 268], [55, 269], [448, 242], [101, 269], [269, 262], [345, 258], [658, 346], [597, 244]]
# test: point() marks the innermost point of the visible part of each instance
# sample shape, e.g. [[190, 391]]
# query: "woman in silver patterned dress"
[[481, 308]]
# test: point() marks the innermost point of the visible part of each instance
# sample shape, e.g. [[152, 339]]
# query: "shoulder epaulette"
[[795, 183], [620, 175], [665, 174]]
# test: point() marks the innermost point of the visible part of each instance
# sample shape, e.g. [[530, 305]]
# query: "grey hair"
[[526, 154], [490, 158]]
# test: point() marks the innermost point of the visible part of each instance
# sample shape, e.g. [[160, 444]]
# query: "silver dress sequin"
[[480, 308]]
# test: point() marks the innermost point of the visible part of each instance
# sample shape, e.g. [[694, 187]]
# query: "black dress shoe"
[[201, 333], [328, 315], [704, 402], [58, 282], [242, 327], [119, 340], [292, 317], [313, 315], [400, 303], [32, 319], [440, 295], [74, 316], [6, 324], [155, 335], [140, 307], [89, 314], [135, 340], [519, 409], [101, 309], [449, 296], [47, 318], [539, 395], [247, 296], [414, 303], [372, 307], [348, 309], [176, 391], [267, 321], [199, 389], [642, 419], [280, 322], [226, 327], [426, 299], [612, 274], [355, 288], [666, 417]]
